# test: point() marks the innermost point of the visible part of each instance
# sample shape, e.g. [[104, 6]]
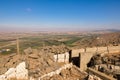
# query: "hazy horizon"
[[59, 15]]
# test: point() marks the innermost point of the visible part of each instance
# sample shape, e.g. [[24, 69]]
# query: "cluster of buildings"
[[5, 50]]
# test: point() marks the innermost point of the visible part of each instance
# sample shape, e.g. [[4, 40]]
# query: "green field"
[[49, 40]]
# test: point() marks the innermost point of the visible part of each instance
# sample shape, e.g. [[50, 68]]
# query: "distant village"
[[4, 50]]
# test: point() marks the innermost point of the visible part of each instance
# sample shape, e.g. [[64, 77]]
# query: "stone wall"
[[53, 72], [75, 52], [114, 49], [100, 74], [21, 73], [92, 50], [86, 54], [72, 75], [99, 50], [62, 57], [84, 59]]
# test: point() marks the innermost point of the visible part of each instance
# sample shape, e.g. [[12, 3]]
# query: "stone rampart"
[[98, 50], [114, 49], [75, 52], [86, 54], [84, 59], [94, 49]]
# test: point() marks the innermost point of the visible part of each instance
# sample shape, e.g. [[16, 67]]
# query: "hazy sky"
[[58, 15]]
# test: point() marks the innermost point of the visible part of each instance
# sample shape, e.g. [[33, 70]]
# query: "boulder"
[[22, 75], [2, 77], [34, 56], [11, 73], [20, 72], [28, 50]]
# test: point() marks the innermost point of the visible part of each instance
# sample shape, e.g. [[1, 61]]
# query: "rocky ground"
[[7, 61], [69, 74], [108, 64], [40, 62], [55, 49]]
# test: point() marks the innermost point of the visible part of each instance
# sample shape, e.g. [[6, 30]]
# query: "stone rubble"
[[93, 77], [66, 72], [56, 49], [20, 72], [37, 64]]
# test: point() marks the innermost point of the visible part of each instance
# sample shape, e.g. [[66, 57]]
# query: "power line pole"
[[18, 49], [43, 44]]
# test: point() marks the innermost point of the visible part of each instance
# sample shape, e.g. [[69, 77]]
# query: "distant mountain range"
[[107, 30]]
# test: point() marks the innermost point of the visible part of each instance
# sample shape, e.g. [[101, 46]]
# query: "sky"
[[59, 15]]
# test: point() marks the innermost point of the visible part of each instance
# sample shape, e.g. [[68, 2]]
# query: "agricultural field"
[[38, 40]]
